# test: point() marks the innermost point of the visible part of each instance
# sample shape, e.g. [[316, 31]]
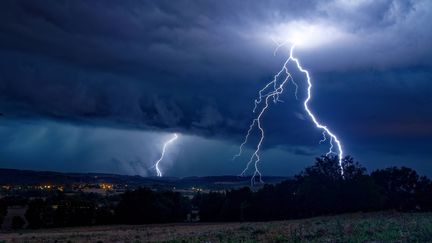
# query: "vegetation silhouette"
[[317, 190], [146, 206], [322, 190]]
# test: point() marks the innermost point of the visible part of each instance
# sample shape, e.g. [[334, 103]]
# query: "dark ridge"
[[30, 177]]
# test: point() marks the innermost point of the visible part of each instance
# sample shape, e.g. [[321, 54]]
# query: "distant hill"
[[29, 177]]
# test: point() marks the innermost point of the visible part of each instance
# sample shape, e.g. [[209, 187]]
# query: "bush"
[[146, 206], [17, 223]]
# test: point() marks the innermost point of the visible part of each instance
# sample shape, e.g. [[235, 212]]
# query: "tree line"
[[321, 189]]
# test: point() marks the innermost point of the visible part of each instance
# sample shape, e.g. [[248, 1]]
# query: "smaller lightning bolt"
[[269, 95], [330, 142], [158, 171]]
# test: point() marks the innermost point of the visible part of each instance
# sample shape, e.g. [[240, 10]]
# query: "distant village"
[[103, 189], [15, 212]]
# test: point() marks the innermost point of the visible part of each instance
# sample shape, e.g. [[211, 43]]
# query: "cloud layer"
[[195, 68]]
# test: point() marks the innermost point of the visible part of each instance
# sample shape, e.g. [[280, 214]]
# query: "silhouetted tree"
[[17, 222], [211, 205], [3, 210], [36, 214], [235, 203], [400, 186], [424, 194], [146, 206], [323, 189]]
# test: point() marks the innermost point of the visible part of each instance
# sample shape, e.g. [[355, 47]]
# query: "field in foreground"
[[360, 227]]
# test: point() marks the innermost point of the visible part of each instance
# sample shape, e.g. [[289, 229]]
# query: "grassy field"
[[360, 227]]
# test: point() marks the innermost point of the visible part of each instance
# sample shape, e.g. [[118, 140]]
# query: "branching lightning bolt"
[[264, 95], [158, 171]]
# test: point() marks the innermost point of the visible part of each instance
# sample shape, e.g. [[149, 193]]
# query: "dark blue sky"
[[99, 85]]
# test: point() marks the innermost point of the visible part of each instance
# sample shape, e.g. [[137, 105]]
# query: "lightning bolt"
[[156, 165], [271, 92], [325, 129]]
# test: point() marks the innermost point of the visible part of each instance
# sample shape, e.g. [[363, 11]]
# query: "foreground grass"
[[360, 227]]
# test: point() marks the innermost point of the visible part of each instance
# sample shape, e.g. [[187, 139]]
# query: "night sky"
[[97, 86]]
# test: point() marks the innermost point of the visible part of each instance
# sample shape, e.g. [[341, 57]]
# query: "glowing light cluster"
[[271, 92], [171, 140]]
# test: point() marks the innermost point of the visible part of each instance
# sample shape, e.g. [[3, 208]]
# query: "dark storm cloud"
[[195, 67]]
